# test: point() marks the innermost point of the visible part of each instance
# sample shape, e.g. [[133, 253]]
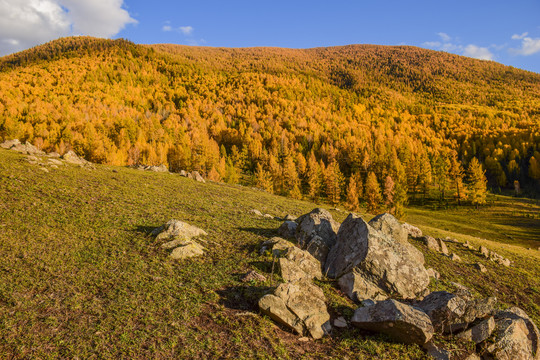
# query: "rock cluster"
[[178, 235], [194, 175], [373, 264], [155, 168]]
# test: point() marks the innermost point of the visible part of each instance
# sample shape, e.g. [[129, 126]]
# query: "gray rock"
[[480, 267], [187, 249], [183, 173], [387, 224], [288, 229], [252, 275], [431, 243], [442, 247], [444, 309], [437, 352], [297, 264], [197, 177], [317, 222], [53, 154], [402, 322], [175, 229], [290, 217], [484, 251], [8, 144], [479, 332], [475, 309], [413, 231], [367, 302], [72, 158], [358, 288], [517, 337], [454, 257], [433, 273], [318, 248], [299, 305], [268, 216], [340, 322], [396, 268], [277, 245], [256, 212]]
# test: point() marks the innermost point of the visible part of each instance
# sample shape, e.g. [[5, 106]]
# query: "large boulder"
[[299, 305], [355, 285], [444, 309], [390, 226], [396, 268], [516, 337], [319, 249], [402, 322], [175, 229], [479, 332], [317, 222], [288, 229], [297, 264], [72, 158]]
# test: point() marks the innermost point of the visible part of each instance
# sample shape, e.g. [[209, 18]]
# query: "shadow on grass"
[[267, 232], [145, 230], [242, 297]]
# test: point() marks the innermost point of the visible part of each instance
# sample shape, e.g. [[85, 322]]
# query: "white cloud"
[[519, 37], [186, 30], [166, 28], [478, 52], [24, 24], [529, 46], [444, 36], [433, 44]]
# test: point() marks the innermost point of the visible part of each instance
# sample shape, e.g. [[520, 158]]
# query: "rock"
[[287, 229], [160, 168], [187, 249], [27, 148], [297, 264], [462, 291], [277, 245], [45, 170], [318, 248], [467, 245], [256, 212], [299, 305], [475, 309], [484, 251], [516, 337], [268, 216], [442, 247], [289, 217], [357, 288], [454, 257], [444, 309], [317, 222], [183, 173], [72, 158], [53, 154], [431, 243], [387, 224], [433, 273], [396, 268], [340, 322], [32, 158], [367, 302], [479, 332], [55, 162], [402, 322], [451, 240], [8, 144], [197, 176], [189, 176], [413, 231], [473, 356], [436, 352], [252, 275], [480, 267], [175, 229]]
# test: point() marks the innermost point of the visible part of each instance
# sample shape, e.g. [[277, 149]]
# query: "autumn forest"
[[381, 125]]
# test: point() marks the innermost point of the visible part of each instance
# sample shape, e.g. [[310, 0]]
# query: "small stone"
[[484, 251], [252, 275], [268, 216], [289, 217], [454, 257], [255, 212], [442, 246], [431, 243], [55, 162], [433, 273], [44, 169], [340, 322], [186, 250], [480, 267]]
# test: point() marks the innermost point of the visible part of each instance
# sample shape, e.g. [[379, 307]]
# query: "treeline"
[[320, 123]]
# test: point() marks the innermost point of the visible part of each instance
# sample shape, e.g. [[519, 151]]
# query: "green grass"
[[81, 278]]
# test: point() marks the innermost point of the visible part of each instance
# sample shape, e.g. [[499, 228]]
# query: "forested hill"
[[297, 122]]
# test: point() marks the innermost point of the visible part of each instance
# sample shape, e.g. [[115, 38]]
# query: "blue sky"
[[503, 31]]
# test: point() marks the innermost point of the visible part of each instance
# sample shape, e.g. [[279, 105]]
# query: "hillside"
[[82, 277], [296, 122]]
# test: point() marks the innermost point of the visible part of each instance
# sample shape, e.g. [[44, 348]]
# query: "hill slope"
[[353, 109], [81, 277]]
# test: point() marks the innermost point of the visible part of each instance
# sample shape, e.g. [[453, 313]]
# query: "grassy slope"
[[80, 277]]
